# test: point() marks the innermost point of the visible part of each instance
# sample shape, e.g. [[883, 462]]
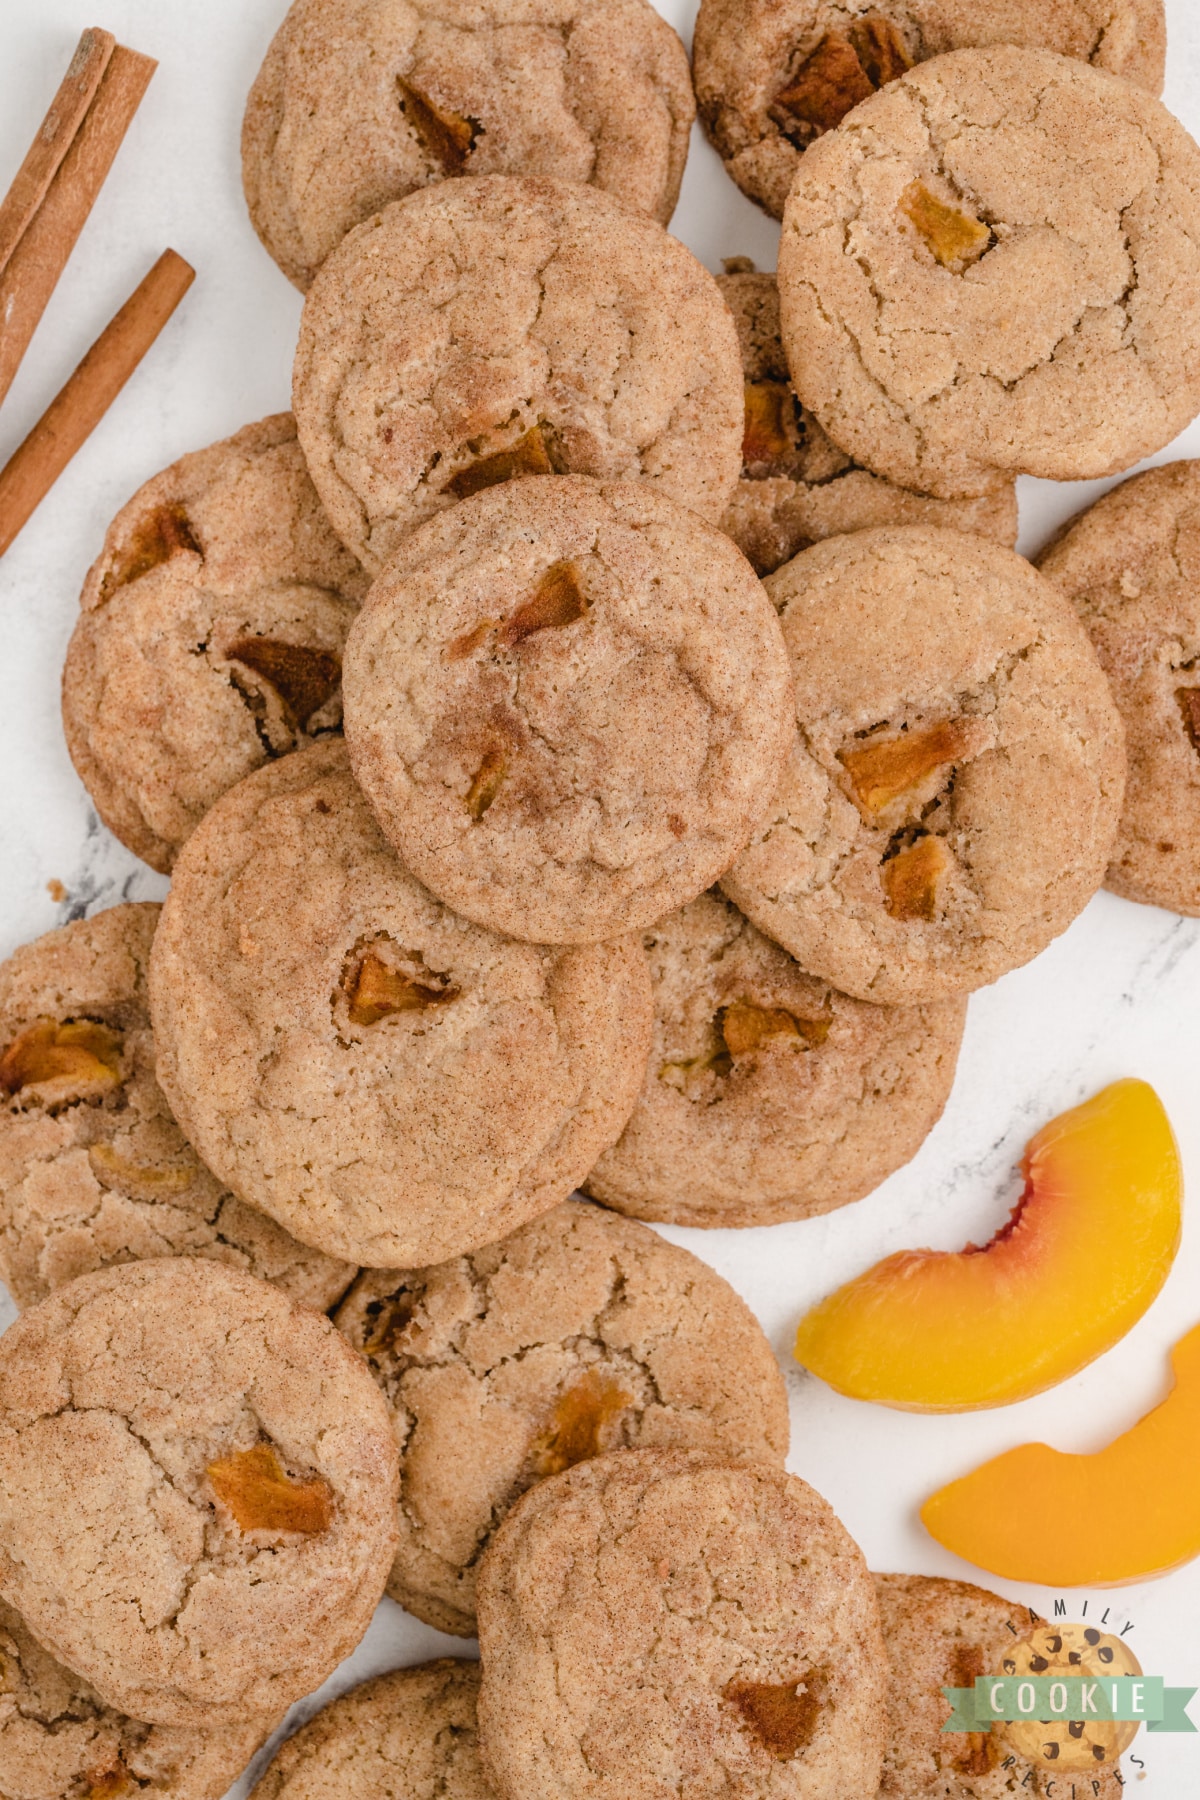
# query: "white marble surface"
[[1117, 995]]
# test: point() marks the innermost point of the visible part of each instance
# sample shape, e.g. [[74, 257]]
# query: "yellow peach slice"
[[1085, 1251], [1128, 1513]]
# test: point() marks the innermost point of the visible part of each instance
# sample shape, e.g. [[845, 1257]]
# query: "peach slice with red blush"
[[1088, 1246]]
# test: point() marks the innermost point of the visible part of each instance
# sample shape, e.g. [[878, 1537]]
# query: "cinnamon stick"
[[50, 236], [55, 137], [74, 414]]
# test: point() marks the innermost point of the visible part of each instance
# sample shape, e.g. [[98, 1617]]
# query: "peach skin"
[[1128, 1513], [1085, 1251]]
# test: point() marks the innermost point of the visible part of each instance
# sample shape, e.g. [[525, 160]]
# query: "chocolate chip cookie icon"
[[1067, 1650]]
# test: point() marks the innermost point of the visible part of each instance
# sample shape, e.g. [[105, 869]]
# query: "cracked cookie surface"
[[991, 268], [772, 78], [409, 1732], [493, 326], [944, 1634], [59, 1741], [568, 703], [580, 1333], [197, 1490], [654, 1623], [210, 636], [93, 1168], [359, 103], [357, 1060], [768, 1095], [797, 487], [955, 784], [1131, 567]]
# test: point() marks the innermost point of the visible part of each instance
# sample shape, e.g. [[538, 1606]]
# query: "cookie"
[[410, 1732], [58, 1738], [771, 78], [655, 1623], [197, 1490], [796, 486], [93, 1168], [993, 268], [768, 1094], [1059, 1746], [493, 327], [1131, 566], [956, 780], [568, 703], [580, 1333], [210, 637], [361, 102], [943, 1634], [359, 1062]]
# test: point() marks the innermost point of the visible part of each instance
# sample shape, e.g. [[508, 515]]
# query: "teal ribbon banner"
[[1049, 1698]]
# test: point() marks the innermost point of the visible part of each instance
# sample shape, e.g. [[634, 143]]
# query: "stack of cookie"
[[598, 742]]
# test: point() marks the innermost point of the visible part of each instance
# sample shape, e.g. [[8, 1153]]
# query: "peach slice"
[[1128, 1513], [1085, 1251]]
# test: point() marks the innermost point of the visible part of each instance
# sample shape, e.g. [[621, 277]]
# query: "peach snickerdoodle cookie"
[[93, 1168], [956, 779], [569, 703], [768, 1095], [209, 638], [656, 1623], [797, 487], [1131, 567], [409, 1732], [992, 268], [197, 1490], [387, 1080], [771, 78], [493, 327], [362, 101], [59, 1741], [580, 1333]]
